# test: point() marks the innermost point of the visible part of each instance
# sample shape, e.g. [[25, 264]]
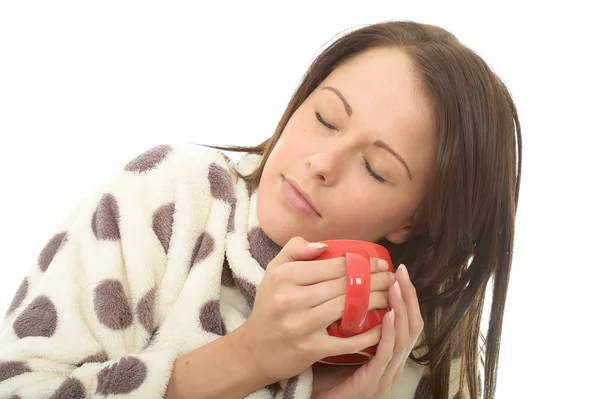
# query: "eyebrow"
[[347, 106], [378, 143], [389, 149]]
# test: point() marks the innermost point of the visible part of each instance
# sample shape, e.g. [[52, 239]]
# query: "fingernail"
[[392, 315], [317, 245], [404, 273], [397, 290], [382, 264]]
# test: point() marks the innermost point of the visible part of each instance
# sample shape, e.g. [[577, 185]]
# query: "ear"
[[401, 234]]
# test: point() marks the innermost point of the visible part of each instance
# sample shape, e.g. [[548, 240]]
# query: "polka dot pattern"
[[111, 305], [227, 275], [247, 289], [274, 388], [149, 159], [19, 296], [290, 388], [50, 250], [38, 319], [231, 220], [121, 378], [12, 369], [252, 187], [99, 357], [210, 318], [145, 310], [162, 224], [262, 248], [71, 388], [203, 248], [221, 185], [105, 220], [152, 338]]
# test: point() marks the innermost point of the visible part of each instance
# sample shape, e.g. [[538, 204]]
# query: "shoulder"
[[167, 172], [176, 156]]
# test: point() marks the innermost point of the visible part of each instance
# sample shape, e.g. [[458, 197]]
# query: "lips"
[[299, 198]]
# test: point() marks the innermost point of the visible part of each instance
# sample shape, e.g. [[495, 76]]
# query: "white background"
[[85, 87]]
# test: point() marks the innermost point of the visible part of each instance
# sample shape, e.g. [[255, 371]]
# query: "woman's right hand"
[[295, 302]]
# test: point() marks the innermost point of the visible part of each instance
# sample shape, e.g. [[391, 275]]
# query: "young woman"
[[189, 276]]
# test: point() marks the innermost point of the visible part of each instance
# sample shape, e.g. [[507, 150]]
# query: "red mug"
[[356, 318]]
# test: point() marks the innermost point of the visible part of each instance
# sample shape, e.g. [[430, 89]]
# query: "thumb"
[[297, 249]]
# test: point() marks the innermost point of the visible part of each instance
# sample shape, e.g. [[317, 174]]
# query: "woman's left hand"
[[401, 328]]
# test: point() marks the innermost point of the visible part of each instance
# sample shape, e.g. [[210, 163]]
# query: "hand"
[[401, 328], [296, 300]]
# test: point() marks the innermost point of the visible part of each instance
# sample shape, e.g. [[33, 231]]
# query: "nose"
[[326, 165]]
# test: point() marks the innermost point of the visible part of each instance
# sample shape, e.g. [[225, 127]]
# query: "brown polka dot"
[[262, 248], [19, 296], [145, 310], [289, 392], [38, 319], [274, 388], [105, 220], [162, 224], [50, 250], [12, 369], [71, 388], [227, 275], [152, 338], [423, 390], [111, 305], [15, 397], [121, 378], [210, 318], [251, 186], [203, 248], [231, 220], [149, 159], [247, 289], [99, 357], [221, 185]]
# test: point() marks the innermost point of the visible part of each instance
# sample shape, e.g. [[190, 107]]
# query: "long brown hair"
[[465, 225]]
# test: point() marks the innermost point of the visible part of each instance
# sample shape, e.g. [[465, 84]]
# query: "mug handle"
[[358, 291]]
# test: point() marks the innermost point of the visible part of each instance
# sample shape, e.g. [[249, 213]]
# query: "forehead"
[[381, 79], [387, 101]]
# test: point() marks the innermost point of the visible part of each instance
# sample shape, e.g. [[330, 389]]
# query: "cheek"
[[360, 211]]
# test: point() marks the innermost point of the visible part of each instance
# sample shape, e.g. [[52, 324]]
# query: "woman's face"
[[354, 161]]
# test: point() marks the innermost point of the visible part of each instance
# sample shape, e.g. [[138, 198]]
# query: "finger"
[[415, 320], [403, 341], [378, 365], [366, 380], [297, 249], [326, 313], [324, 291], [333, 346], [409, 296], [315, 271]]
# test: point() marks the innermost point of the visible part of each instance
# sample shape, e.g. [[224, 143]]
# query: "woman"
[[186, 276]]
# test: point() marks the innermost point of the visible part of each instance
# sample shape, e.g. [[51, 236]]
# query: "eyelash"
[[367, 165]]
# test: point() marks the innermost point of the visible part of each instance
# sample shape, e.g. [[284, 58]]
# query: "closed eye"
[[372, 172], [323, 122]]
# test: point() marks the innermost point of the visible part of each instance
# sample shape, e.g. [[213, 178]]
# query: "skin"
[[328, 161], [299, 296], [373, 97]]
